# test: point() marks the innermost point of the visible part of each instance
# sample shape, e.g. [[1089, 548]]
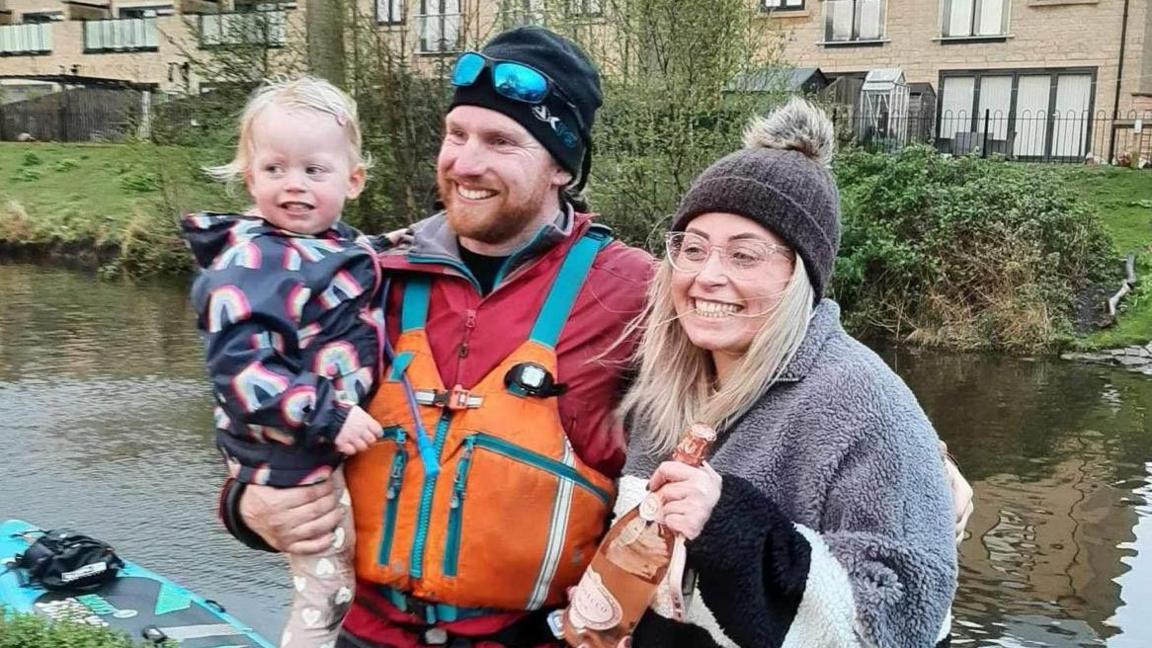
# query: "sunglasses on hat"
[[512, 80]]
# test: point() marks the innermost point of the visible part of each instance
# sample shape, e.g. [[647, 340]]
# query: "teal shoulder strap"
[[414, 310], [567, 284]]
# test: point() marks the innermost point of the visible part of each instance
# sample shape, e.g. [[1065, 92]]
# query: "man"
[[513, 410], [494, 480]]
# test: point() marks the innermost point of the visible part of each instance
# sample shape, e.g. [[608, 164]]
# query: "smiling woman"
[[827, 519]]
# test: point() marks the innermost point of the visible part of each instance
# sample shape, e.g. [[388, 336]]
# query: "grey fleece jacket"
[[834, 525]]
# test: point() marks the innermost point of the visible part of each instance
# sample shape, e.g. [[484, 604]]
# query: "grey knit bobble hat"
[[780, 179]]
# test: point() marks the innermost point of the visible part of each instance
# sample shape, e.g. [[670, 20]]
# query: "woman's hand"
[[688, 495], [961, 493]]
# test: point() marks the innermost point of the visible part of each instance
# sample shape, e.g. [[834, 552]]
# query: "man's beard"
[[494, 222]]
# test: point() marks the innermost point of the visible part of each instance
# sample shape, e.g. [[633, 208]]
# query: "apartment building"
[[144, 44], [1046, 74]]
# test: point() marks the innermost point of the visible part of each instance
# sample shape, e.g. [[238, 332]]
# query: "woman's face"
[[728, 276]]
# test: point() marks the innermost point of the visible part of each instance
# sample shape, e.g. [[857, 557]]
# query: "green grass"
[[24, 631], [124, 196], [1124, 199]]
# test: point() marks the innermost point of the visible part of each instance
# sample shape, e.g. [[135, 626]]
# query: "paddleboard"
[[137, 602]]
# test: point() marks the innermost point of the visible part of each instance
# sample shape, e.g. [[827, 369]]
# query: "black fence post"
[[984, 141]]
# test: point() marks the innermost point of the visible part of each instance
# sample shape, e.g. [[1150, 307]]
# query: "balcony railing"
[[120, 35], [440, 33], [30, 38], [242, 28]]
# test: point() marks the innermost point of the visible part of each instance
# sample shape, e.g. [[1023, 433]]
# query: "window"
[[848, 21], [389, 12], [439, 26], [974, 18], [40, 17], [150, 11], [243, 28], [1026, 113], [585, 8], [781, 5]]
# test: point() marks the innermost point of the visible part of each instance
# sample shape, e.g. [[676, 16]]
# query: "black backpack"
[[62, 559]]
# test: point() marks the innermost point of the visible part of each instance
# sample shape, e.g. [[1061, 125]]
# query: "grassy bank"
[[1123, 198], [123, 201], [118, 200]]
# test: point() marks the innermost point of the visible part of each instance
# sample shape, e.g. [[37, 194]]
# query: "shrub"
[[963, 252], [25, 631]]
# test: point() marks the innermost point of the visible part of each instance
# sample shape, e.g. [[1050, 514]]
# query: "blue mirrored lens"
[[519, 82], [467, 69]]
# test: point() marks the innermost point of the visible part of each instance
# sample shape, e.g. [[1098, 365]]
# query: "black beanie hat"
[[552, 122], [780, 180]]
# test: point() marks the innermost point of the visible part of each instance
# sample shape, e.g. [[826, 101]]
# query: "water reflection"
[[104, 414]]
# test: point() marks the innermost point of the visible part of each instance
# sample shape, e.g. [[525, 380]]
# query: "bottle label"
[[593, 606], [650, 507]]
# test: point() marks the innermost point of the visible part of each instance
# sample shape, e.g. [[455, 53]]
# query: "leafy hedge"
[[964, 252]]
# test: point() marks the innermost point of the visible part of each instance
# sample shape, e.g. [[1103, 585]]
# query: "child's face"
[[302, 169]]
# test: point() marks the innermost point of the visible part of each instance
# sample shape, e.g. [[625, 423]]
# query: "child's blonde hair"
[[297, 92]]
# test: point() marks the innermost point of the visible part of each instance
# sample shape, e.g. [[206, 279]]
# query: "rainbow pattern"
[[244, 255], [291, 260], [315, 249], [335, 360], [268, 340], [344, 286], [297, 403], [226, 305], [308, 333], [298, 297], [220, 420], [257, 385], [244, 229]]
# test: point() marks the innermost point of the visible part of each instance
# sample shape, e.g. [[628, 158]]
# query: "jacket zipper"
[[559, 469], [452, 547], [416, 564], [395, 481]]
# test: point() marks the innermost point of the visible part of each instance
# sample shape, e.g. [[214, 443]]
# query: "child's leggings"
[[323, 584]]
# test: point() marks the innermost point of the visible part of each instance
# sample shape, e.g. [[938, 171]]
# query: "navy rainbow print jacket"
[[290, 324]]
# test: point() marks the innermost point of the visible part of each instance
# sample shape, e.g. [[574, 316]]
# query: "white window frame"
[[973, 19], [145, 11], [389, 12], [447, 15], [782, 5], [858, 11]]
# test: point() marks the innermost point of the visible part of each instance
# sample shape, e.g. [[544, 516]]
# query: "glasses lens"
[[686, 252], [519, 82], [467, 69]]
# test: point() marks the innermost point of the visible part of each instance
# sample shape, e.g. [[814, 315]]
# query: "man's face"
[[494, 178]]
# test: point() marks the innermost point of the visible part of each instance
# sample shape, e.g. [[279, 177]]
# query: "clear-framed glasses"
[[688, 252]]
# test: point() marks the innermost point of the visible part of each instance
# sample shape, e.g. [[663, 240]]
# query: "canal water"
[[105, 421]]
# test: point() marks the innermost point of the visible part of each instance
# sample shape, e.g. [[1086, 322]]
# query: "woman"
[[827, 519]]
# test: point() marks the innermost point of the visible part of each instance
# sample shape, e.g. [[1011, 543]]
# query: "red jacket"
[[470, 334]]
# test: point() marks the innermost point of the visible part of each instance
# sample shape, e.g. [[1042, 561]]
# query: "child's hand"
[[360, 430], [400, 237]]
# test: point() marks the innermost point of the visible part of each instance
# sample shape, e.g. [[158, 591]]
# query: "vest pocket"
[[504, 520], [392, 495]]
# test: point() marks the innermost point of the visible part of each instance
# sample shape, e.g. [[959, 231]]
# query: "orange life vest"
[[513, 516]]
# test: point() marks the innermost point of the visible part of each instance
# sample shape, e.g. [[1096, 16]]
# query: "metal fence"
[[75, 115], [1068, 137]]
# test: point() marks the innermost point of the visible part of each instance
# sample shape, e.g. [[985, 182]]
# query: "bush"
[[24, 631], [963, 252]]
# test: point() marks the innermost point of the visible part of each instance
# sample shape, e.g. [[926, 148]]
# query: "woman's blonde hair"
[[303, 91], [676, 383]]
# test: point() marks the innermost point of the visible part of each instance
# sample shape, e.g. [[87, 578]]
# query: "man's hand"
[[294, 520]]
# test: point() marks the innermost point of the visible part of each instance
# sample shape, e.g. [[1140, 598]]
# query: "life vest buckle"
[[454, 399]]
